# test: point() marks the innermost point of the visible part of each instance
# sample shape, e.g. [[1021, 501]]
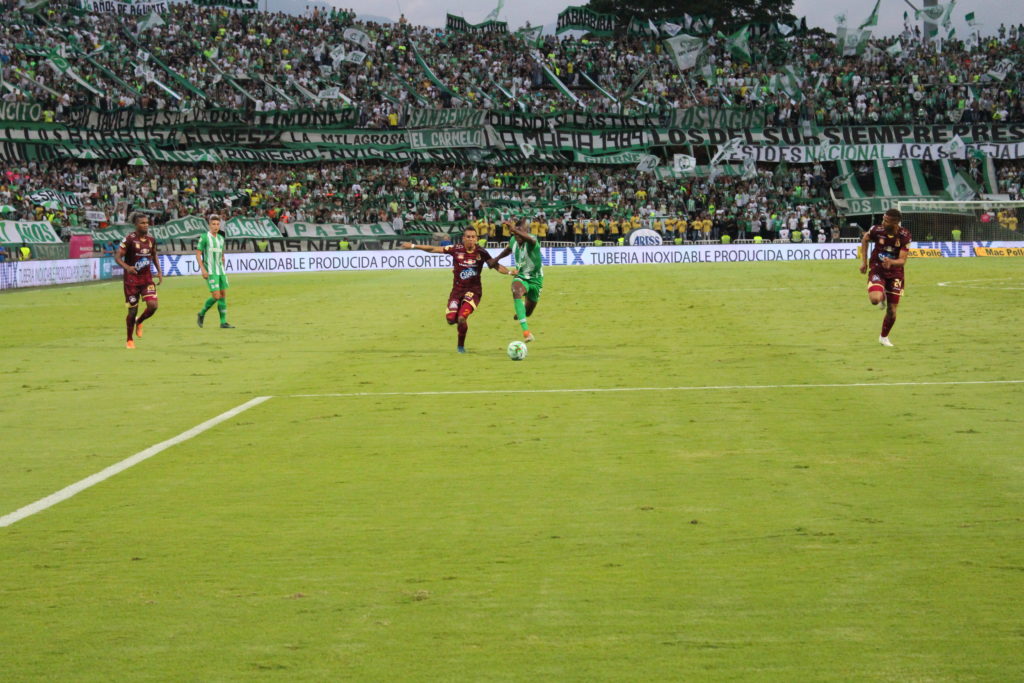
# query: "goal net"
[[982, 221]]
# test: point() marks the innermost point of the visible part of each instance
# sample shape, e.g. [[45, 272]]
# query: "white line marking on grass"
[[985, 283], [724, 387], [103, 475]]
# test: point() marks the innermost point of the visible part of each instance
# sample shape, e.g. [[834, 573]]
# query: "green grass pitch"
[[754, 531]]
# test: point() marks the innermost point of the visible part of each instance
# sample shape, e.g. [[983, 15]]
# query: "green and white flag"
[[895, 49], [738, 45], [648, 163], [329, 94], [683, 163], [597, 87], [562, 88], [305, 93], [933, 13], [493, 16], [947, 14], [685, 50], [969, 17], [356, 36], [429, 73], [840, 19], [1001, 70], [33, 5], [152, 20], [873, 19], [671, 29], [531, 35], [954, 146], [959, 189], [61, 66], [852, 42], [355, 57]]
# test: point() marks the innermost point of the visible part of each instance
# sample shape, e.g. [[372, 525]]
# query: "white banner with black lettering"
[[306, 262]]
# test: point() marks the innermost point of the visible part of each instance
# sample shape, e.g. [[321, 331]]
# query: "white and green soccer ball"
[[517, 350]]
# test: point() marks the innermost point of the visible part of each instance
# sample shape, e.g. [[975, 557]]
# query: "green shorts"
[[533, 287], [217, 283]]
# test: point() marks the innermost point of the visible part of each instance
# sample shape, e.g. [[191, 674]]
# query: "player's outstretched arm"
[[523, 232], [422, 247], [864, 253], [493, 264]]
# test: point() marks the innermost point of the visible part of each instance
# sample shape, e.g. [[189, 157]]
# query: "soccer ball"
[[517, 350]]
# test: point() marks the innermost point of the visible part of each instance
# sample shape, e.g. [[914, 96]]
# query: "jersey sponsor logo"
[[142, 262], [467, 274]]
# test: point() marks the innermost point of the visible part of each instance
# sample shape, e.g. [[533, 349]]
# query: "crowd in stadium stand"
[[249, 60], [365, 193]]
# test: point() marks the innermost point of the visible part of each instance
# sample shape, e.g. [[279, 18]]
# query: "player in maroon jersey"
[[137, 255], [468, 262], [885, 280]]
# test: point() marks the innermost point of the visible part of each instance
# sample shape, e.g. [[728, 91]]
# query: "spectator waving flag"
[[531, 35], [933, 13], [152, 20], [873, 19], [947, 15], [738, 45], [1001, 70], [356, 36], [686, 50], [671, 29], [493, 16]]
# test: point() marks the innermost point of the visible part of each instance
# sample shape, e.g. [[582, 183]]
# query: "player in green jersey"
[[528, 275], [210, 256]]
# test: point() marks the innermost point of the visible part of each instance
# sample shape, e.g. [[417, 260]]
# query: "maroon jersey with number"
[[887, 246], [467, 266], [139, 251]]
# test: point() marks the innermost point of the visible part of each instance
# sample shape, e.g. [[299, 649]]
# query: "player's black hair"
[[136, 216], [894, 213]]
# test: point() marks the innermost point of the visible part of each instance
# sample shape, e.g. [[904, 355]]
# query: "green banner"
[[460, 25], [234, 4], [443, 118], [113, 233], [620, 158], [448, 138], [585, 19], [338, 230], [182, 228], [29, 232], [260, 228]]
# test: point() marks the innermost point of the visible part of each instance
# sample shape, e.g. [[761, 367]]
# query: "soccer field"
[[699, 472]]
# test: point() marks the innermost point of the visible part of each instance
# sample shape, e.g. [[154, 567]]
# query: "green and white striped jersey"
[[528, 259], [212, 248]]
